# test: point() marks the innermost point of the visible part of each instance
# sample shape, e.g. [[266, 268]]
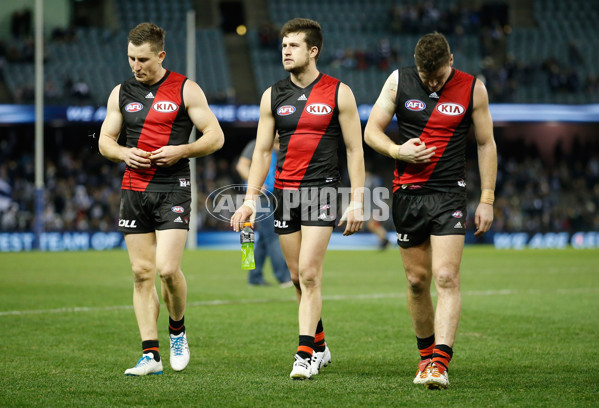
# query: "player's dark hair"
[[148, 33], [432, 52], [311, 29]]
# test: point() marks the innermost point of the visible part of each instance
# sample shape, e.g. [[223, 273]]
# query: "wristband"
[[252, 206], [353, 205], [487, 196]]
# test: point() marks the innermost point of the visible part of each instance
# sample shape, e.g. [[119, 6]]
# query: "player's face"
[[296, 55], [434, 81], [145, 63]]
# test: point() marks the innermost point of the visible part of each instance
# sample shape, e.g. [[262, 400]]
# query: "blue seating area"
[[551, 61], [98, 57], [352, 25], [559, 24]]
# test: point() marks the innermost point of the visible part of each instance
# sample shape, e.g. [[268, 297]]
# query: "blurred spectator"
[[20, 23], [531, 196]]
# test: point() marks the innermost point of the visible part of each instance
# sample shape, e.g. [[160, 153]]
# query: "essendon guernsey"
[[308, 125], [155, 116], [440, 119]]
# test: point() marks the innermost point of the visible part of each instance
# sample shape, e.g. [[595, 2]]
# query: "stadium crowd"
[[82, 189]]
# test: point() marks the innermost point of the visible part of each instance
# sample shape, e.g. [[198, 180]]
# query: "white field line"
[[503, 292]]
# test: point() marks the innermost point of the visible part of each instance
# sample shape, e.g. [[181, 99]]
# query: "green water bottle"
[[247, 247]]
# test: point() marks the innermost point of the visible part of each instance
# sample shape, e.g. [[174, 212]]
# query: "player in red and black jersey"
[[436, 105], [311, 112], [156, 110]]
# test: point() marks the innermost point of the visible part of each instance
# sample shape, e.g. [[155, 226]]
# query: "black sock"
[[151, 346], [306, 346], [426, 346], [319, 338], [442, 355], [176, 327]]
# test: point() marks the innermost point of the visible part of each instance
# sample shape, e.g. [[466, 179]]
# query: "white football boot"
[[302, 369], [145, 366], [437, 380], [424, 372], [320, 359], [179, 351]]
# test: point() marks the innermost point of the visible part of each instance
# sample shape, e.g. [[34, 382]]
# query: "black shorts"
[[418, 216], [142, 212], [314, 206]]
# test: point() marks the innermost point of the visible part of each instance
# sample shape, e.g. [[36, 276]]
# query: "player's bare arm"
[[109, 133], [487, 157], [349, 119], [265, 137], [211, 140], [412, 151]]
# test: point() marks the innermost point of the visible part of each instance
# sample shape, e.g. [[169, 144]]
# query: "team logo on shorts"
[[285, 110], [177, 209], [415, 105], [457, 214], [134, 107]]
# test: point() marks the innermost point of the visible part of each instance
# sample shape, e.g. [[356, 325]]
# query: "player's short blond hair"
[[148, 33]]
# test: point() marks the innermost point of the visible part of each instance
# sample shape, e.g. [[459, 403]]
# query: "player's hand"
[[415, 151], [137, 158], [247, 210], [354, 215], [166, 156], [483, 218]]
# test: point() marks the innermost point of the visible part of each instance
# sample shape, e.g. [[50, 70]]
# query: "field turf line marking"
[[223, 302]]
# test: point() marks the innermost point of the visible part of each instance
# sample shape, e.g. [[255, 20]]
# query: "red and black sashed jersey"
[[155, 116], [442, 119], [309, 131]]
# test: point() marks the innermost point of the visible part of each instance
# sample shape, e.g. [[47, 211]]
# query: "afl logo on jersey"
[[285, 110], [134, 107], [318, 109], [165, 106], [451, 109], [415, 105]]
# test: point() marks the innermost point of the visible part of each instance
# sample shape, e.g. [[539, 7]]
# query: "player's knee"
[[168, 272], [447, 278], [143, 273], [418, 282], [309, 277]]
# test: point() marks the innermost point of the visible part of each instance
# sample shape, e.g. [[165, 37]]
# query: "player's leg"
[[142, 255], [376, 228], [417, 266], [169, 253], [447, 255], [290, 245], [315, 240]]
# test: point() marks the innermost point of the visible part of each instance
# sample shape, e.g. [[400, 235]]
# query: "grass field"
[[528, 336]]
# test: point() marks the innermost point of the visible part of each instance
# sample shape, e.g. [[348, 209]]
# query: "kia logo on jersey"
[[134, 107], [165, 106], [318, 109], [285, 110], [177, 209], [450, 109], [415, 105]]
